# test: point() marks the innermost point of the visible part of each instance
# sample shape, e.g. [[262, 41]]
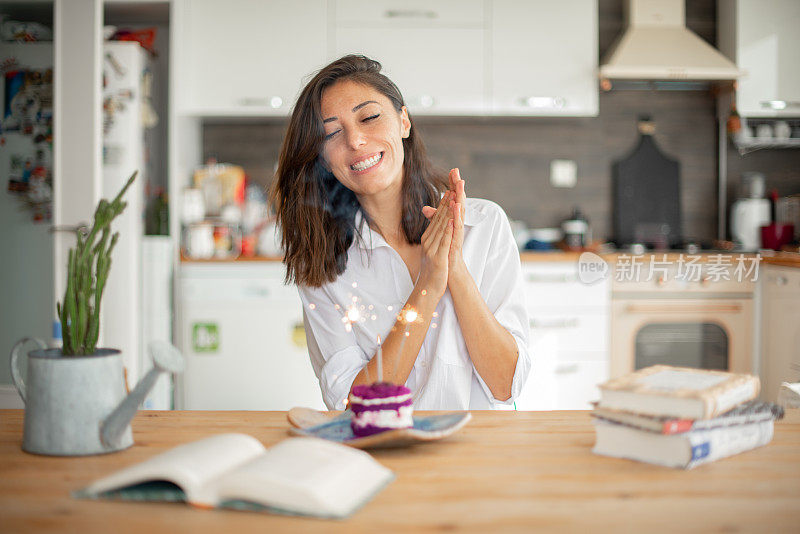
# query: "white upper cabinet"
[[433, 50], [246, 57], [544, 57], [763, 39], [448, 57]]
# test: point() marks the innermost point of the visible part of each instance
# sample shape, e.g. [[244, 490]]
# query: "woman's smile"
[[367, 163]]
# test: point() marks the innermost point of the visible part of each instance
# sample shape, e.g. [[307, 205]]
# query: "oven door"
[[701, 333]]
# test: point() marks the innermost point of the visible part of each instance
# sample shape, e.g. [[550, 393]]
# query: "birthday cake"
[[380, 406]]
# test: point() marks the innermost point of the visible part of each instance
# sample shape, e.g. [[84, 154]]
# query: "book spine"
[[743, 419], [710, 445], [676, 426]]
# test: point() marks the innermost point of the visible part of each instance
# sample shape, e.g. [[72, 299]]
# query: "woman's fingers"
[[455, 211], [447, 239], [440, 219], [458, 228], [457, 186], [461, 195], [435, 224], [430, 211]]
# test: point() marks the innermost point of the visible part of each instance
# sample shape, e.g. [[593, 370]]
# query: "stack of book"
[[681, 417]]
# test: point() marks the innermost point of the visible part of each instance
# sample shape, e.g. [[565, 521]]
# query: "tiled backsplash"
[[508, 160]]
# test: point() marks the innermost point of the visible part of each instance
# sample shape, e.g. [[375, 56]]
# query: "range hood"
[[657, 46]]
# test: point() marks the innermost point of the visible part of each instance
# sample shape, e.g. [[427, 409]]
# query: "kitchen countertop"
[[563, 256], [503, 471], [785, 259]]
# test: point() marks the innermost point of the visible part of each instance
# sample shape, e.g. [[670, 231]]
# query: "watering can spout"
[[166, 358]]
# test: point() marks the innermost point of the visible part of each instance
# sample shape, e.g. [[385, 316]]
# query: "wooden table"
[[505, 471]]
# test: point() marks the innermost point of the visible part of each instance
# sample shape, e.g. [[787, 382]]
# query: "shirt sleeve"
[[502, 288], [335, 354]]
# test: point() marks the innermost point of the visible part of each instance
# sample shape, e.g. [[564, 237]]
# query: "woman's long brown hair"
[[315, 212]]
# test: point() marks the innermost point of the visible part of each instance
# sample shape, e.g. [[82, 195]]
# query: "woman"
[[440, 287]]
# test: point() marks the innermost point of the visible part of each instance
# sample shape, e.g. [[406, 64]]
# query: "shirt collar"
[[370, 239], [366, 237]]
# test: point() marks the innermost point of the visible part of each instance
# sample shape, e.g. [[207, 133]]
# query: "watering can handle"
[[16, 376]]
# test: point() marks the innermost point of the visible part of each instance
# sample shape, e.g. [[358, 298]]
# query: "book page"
[[191, 466], [307, 476], [674, 380]]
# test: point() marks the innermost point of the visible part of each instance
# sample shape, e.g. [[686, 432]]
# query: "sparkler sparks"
[[408, 315], [354, 311], [353, 314]]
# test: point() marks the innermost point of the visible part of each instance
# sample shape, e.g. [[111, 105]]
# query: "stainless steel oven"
[[700, 318]]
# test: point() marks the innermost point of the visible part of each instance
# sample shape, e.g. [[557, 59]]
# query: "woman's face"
[[364, 134]]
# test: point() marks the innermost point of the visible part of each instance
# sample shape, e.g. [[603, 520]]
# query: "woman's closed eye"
[[365, 119]]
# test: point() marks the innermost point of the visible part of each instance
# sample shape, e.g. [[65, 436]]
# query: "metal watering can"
[[77, 405]]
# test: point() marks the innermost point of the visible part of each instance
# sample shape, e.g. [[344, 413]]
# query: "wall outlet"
[[563, 173]]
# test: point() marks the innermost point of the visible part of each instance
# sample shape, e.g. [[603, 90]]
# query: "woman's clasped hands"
[[444, 238]]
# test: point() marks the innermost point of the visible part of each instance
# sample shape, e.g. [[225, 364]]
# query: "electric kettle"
[[748, 215]]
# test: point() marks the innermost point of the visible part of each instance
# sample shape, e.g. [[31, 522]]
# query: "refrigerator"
[[26, 262], [136, 303]]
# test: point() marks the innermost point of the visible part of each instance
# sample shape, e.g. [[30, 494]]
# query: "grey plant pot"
[[78, 405]]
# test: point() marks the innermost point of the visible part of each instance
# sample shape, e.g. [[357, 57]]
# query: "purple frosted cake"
[[380, 406]]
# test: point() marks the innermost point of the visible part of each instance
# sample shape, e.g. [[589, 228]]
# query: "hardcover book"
[[685, 450], [680, 392], [748, 412], [298, 476]]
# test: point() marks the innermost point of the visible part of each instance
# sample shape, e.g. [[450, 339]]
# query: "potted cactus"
[[76, 399], [87, 272]]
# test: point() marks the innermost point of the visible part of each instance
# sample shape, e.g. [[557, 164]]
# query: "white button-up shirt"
[[376, 283]]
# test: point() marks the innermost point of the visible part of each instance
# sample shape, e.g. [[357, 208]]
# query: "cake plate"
[[336, 427]]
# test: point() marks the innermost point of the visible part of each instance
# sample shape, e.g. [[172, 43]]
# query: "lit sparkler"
[[356, 312], [406, 316]]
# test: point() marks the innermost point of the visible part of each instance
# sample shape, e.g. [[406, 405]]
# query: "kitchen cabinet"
[[433, 51], [448, 57], [780, 329], [544, 58], [762, 39], [569, 337], [246, 57]]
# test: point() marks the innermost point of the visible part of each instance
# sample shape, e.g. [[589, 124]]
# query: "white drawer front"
[[574, 332], [410, 13], [549, 288], [562, 385]]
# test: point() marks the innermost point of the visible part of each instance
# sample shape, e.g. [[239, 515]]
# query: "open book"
[[304, 476]]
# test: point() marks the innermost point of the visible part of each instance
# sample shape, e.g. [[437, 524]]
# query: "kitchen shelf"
[[760, 143]]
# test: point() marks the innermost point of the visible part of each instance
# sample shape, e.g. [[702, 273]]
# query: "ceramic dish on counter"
[[543, 238], [313, 423]]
